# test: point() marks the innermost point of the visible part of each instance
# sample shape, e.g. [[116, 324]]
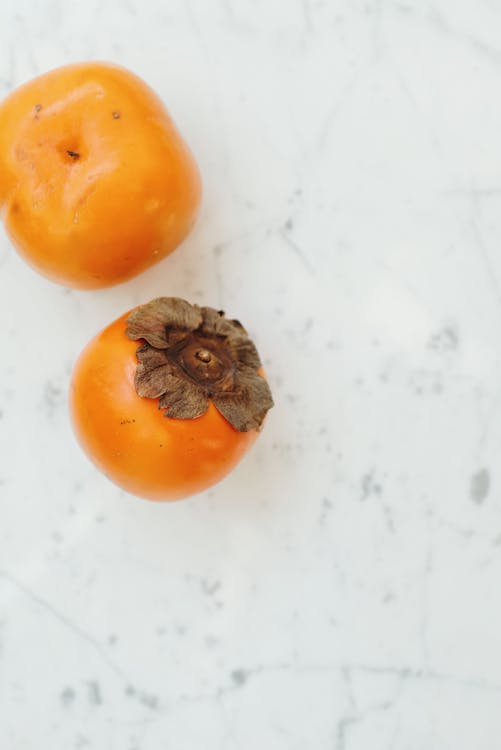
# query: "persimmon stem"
[[203, 355]]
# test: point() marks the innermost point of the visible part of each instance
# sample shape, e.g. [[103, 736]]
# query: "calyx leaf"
[[190, 355]]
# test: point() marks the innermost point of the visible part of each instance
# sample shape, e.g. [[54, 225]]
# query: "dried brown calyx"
[[193, 354]]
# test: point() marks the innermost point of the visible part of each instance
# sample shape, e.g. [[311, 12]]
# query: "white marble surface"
[[341, 590]]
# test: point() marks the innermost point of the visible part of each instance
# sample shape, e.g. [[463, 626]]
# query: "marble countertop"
[[341, 589]]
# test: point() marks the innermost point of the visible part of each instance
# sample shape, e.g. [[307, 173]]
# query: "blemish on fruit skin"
[[21, 154], [116, 114], [152, 205]]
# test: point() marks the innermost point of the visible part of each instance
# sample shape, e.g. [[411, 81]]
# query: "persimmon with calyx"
[[96, 183], [168, 398]]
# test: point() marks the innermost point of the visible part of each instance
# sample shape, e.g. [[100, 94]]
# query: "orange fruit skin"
[[96, 183], [131, 441]]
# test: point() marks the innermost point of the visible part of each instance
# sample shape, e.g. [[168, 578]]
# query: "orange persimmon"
[[96, 183], [168, 398]]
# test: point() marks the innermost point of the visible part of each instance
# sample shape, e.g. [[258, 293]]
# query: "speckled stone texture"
[[341, 589]]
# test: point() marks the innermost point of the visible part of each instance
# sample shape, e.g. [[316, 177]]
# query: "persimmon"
[[168, 398], [96, 183]]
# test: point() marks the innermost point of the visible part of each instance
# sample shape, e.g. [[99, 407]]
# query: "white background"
[[341, 590]]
